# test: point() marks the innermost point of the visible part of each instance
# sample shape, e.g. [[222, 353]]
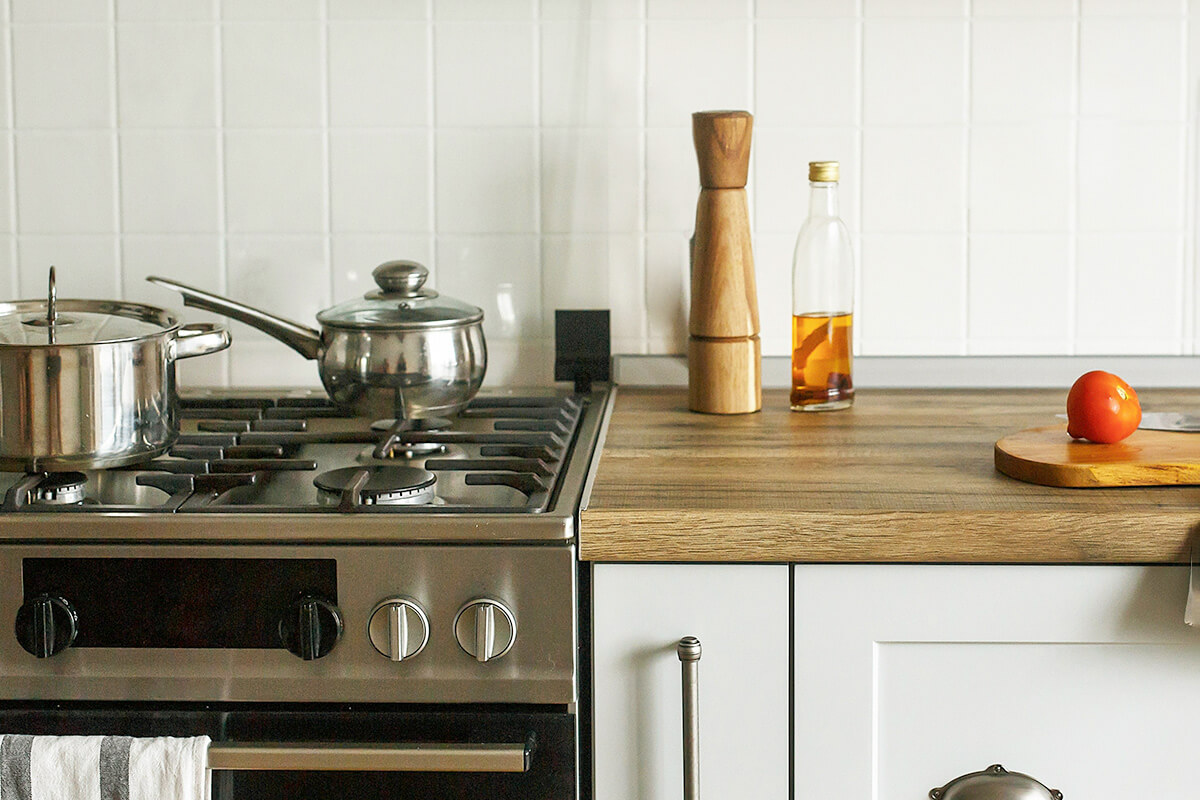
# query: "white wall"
[[1019, 174]]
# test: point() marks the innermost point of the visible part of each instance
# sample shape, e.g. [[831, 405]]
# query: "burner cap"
[[385, 486], [60, 489], [419, 424]]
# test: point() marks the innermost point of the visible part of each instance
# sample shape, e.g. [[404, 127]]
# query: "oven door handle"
[[371, 756]]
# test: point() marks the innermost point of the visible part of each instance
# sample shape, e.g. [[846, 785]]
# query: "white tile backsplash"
[[272, 74], [165, 10], [807, 73], [378, 74], [169, 182], [274, 182], [379, 180], [591, 180], [1015, 297], [537, 154], [168, 75], [591, 73], [1130, 68], [928, 272], [1130, 177], [65, 182], [1021, 177], [62, 76], [59, 10], [486, 180], [913, 180], [1122, 282], [1022, 69], [913, 71], [484, 74]]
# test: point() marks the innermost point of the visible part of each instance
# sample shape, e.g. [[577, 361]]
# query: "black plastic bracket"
[[582, 347]]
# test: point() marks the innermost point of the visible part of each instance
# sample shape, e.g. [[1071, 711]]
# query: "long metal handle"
[[301, 338], [371, 757], [688, 650]]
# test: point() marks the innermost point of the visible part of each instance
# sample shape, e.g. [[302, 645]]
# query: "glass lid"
[[74, 322], [400, 303]]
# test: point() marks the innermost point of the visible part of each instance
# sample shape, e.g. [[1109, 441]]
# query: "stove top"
[[240, 453]]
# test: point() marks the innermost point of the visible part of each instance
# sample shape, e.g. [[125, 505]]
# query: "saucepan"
[[400, 352], [90, 384]]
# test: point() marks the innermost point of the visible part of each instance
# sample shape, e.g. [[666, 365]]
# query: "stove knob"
[[46, 625], [485, 629], [311, 627], [398, 628]]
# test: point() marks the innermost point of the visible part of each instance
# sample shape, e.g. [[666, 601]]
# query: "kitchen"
[[536, 156]]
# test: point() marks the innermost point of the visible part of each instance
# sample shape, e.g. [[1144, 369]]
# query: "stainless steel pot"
[[87, 384], [400, 352]]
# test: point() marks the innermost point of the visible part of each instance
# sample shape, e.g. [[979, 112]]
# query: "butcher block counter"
[[903, 476]]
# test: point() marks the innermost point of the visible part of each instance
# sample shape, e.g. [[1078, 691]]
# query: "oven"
[[342, 646]]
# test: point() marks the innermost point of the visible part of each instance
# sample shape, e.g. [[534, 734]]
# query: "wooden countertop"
[[903, 476]]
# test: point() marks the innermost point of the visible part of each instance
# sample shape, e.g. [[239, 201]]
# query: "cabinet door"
[[1085, 678], [740, 615]]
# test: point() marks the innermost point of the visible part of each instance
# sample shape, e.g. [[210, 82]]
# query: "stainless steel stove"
[[288, 565]]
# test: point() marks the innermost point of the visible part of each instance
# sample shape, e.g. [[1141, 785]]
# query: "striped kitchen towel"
[[103, 768]]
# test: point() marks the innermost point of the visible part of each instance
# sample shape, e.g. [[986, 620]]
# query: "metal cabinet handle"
[[371, 757], [688, 650]]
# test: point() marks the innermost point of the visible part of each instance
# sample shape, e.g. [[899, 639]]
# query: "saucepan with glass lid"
[[401, 352]]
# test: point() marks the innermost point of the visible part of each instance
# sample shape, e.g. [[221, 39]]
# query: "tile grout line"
[[1073, 209], [11, 154], [222, 170], [643, 177], [115, 144], [1187, 140], [860, 108], [431, 134], [326, 151], [965, 219], [539, 259]]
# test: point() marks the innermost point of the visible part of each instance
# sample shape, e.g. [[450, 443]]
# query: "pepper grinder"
[[724, 351]]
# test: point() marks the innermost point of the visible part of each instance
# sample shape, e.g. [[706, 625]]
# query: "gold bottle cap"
[[823, 171]]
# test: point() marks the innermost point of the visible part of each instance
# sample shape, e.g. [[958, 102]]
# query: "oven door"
[[305, 752]]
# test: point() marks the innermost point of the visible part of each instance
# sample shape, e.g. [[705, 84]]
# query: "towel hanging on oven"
[[103, 768]]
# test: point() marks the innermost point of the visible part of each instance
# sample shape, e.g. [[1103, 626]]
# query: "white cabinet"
[[905, 677], [740, 615]]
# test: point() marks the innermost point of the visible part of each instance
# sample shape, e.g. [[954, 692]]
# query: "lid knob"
[[400, 277]]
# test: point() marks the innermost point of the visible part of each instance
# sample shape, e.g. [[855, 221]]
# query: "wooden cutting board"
[[1146, 458]]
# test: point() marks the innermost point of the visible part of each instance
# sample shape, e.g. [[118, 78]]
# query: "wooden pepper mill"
[[724, 351]]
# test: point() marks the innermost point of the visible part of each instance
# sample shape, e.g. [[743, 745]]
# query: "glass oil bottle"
[[822, 300]]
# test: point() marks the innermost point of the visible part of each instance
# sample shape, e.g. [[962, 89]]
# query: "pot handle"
[[200, 339]]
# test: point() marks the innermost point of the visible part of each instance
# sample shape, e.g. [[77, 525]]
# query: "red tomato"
[[1102, 408]]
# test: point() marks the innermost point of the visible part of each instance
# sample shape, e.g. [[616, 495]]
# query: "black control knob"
[[311, 627], [46, 625]]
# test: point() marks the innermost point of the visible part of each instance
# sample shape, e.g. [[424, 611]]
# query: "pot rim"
[[407, 327], [167, 321]]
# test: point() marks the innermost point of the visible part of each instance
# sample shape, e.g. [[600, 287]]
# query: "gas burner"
[[351, 486], [389, 447], [59, 489]]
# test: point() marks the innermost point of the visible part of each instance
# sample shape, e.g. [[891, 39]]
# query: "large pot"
[[400, 352], [88, 384]]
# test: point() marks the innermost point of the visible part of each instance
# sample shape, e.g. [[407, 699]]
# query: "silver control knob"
[[398, 628], [485, 629]]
